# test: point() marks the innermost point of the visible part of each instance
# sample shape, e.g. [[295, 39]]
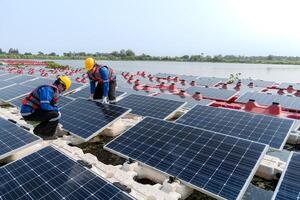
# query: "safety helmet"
[[66, 81], [89, 63]]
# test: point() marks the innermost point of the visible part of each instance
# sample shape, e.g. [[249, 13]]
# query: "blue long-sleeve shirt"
[[104, 72], [46, 95]]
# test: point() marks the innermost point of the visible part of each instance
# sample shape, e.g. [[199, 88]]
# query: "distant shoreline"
[[274, 61]]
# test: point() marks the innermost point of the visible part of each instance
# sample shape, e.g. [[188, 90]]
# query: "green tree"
[[129, 53]]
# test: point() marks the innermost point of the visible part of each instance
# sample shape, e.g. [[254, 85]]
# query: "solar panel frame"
[[10, 90], [208, 81], [246, 113], [82, 173], [139, 96], [92, 135], [242, 191], [213, 93], [282, 177], [17, 128]]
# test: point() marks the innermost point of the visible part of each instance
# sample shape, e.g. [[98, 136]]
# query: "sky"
[[155, 27]]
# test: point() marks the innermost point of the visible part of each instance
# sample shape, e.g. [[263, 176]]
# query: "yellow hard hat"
[[67, 81], [89, 63]]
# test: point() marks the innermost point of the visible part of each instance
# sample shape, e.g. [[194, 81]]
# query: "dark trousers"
[[111, 93], [45, 128]]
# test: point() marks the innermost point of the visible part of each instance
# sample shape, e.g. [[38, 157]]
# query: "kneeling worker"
[[102, 81], [40, 105]]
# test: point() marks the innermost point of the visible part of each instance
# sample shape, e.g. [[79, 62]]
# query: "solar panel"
[[218, 165], [260, 128], [86, 119], [14, 138], [50, 174], [4, 84], [190, 102], [212, 93], [130, 91], [288, 187], [296, 86], [74, 86], [258, 83], [85, 93], [164, 75], [210, 81], [7, 76], [288, 102], [14, 91], [150, 106], [21, 79], [38, 82]]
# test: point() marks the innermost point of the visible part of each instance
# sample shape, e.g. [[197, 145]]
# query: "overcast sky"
[[156, 27]]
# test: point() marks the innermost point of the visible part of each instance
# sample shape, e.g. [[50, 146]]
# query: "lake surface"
[[278, 73]]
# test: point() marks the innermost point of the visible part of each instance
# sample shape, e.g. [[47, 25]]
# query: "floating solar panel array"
[[85, 93], [288, 187], [210, 81], [212, 93], [14, 138], [13, 91], [260, 128], [219, 165], [287, 102], [86, 119], [49, 174], [190, 102], [150, 106], [21, 79]]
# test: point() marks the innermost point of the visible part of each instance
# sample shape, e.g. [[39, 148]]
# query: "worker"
[[40, 105], [102, 81]]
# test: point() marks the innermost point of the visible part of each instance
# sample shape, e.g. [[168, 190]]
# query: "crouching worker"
[[40, 106], [102, 81]]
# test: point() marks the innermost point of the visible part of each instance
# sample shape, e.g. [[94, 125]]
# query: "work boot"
[[59, 132]]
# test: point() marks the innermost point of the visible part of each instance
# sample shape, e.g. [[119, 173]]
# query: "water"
[[278, 73]]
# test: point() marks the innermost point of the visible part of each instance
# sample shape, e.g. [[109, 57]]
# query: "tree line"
[[128, 54]]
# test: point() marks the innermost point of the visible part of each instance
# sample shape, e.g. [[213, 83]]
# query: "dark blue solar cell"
[[260, 128], [14, 138], [212, 93], [49, 174], [150, 106], [198, 157], [86, 119], [289, 184]]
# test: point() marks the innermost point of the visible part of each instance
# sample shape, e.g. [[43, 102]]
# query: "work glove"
[[105, 100]]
